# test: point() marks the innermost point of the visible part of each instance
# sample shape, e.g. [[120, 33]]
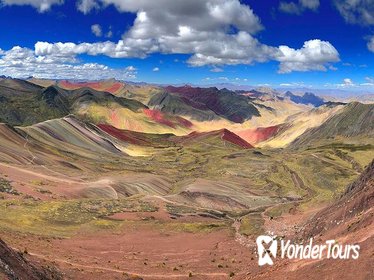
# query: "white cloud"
[[86, 6], [224, 79], [285, 85], [370, 81], [333, 68], [220, 49], [131, 68], [121, 49], [193, 27], [23, 62], [299, 7], [96, 30], [310, 4], [216, 70], [168, 15], [314, 55], [40, 5], [356, 11], [347, 83], [203, 29], [242, 48], [295, 85], [289, 8], [371, 44], [156, 69], [109, 34]]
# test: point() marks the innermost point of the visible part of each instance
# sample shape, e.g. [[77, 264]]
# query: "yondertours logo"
[[267, 248], [265, 255]]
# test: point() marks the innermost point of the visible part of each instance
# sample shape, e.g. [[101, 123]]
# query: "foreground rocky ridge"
[[15, 266]]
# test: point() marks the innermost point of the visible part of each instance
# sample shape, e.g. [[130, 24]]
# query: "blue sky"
[[327, 44]]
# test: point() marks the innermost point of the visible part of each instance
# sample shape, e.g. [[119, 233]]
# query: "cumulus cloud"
[[22, 62], [201, 28], [121, 49], [242, 48], [356, 11], [371, 44], [298, 7], [156, 69], [168, 15], [347, 83], [40, 5], [213, 32], [314, 55], [96, 30]]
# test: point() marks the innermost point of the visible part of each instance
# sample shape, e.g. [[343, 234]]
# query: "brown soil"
[[144, 251]]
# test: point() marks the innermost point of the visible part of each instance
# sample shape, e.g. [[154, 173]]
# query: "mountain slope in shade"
[[307, 98], [14, 265], [354, 120], [224, 103], [139, 92], [22, 103], [137, 138], [19, 86], [167, 102]]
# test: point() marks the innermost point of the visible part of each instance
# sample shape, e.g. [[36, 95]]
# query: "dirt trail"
[[355, 165], [41, 175], [330, 162], [299, 183], [152, 276]]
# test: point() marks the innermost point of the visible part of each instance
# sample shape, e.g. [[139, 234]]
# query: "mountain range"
[[169, 172]]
